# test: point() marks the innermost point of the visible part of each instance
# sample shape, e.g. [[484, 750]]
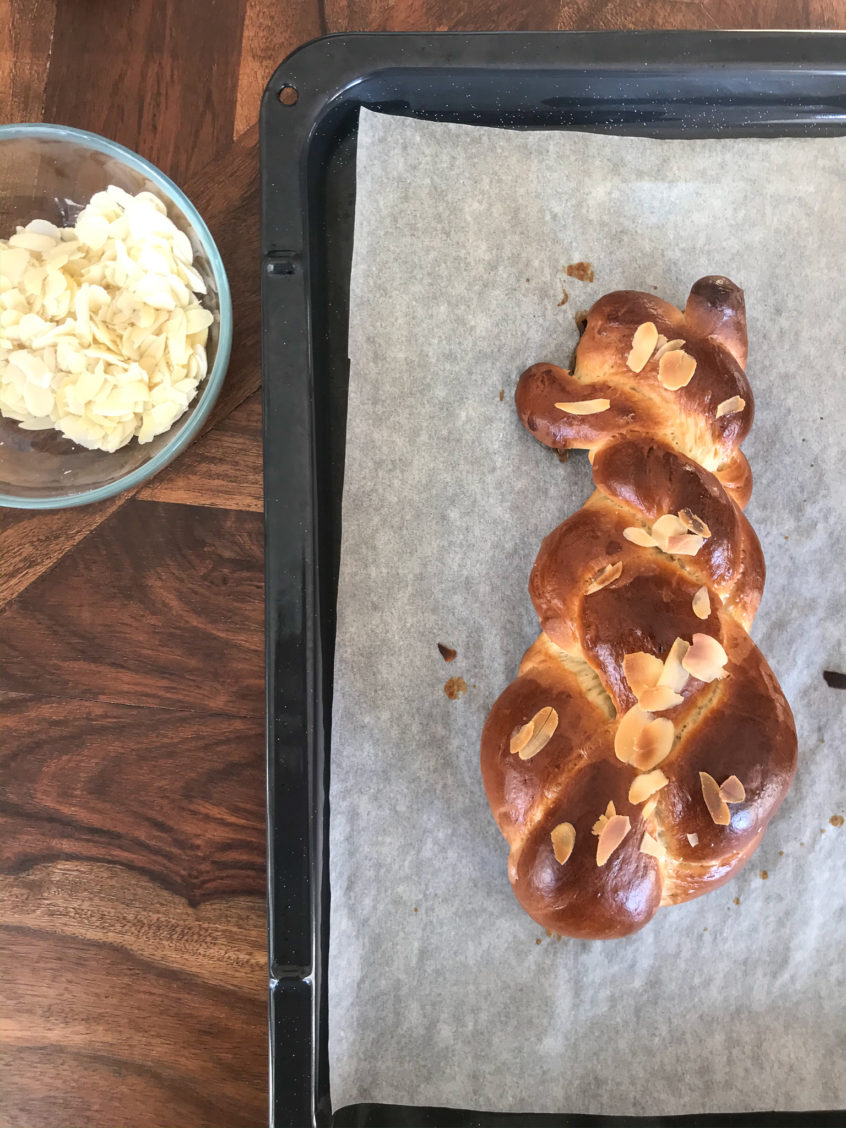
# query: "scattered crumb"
[[836, 820], [562, 455], [528, 279], [501, 394], [472, 685], [565, 297], [539, 941], [781, 853], [737, 900], [415, 908], [763, 875], [801, 843], [655, 288], [704, 929], [822, 830], [786, 537], [447, 652], [581, 271], [455, 688], [549, 934]]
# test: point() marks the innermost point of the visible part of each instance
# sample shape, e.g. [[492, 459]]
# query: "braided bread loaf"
[[645, 744]]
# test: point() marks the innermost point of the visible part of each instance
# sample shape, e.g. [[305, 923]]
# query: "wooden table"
[[133, 913]]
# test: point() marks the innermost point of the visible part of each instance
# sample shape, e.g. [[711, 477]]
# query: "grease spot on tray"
[[582, 271], [455, 688]]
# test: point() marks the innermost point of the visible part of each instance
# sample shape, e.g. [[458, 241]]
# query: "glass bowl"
[[51, 172]]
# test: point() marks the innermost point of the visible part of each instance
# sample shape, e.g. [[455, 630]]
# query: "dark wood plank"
[[174, 794], [613, 15], [227, 194], [96, 1036], [223, 468], [33, 542], [271, 32], [161, 605], [438, 15], [26, 32], [816, 14], [222, 942], [158, 78]]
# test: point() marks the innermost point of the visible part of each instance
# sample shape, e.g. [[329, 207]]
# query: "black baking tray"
[[657, 84]]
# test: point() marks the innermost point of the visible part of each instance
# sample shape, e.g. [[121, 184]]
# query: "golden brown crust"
[[600, 597]]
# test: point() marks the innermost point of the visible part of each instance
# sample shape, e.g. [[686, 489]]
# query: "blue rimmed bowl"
[[51, 172]]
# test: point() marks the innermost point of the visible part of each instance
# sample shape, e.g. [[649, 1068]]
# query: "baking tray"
[[658, 84]]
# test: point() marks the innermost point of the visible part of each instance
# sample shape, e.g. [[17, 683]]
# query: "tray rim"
[[338, 60]]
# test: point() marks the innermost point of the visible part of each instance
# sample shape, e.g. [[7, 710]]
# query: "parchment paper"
[[441, 990]]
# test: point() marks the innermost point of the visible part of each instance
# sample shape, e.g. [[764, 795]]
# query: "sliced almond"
[[652, 847], [654, 745], [563, 840], [674, 674], [613, 833], [705, 659], [730, 406], [659, 345], [658, 698], [521, 737], [610, 812], [639, 536], [668, 346], [585, 407], [642, 671], [648, 807], [675, 369], [666, 526], [604, 577], [542, 727], [694, 524], [716, 805], [732, 790], [693, 839], [702, 603], [643, 345], [628, 732], [686, 544], [645, 785], [643, 740]]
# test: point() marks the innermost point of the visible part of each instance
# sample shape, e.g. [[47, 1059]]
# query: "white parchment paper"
[[441, 990]]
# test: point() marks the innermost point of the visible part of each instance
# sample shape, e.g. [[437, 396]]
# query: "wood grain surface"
[[132, 899]]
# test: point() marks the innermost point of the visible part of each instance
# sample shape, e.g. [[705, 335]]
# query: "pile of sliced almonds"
[[657, 685], [681, 534], [675, 366], [641, 739], [103, 337]]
